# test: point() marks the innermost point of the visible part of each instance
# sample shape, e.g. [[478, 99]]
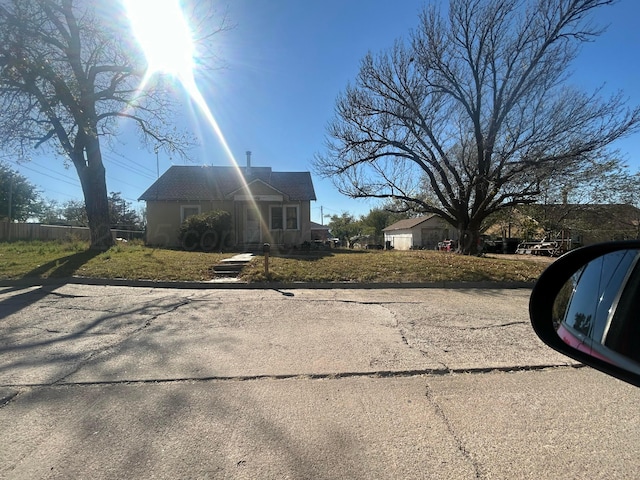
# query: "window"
[[284, 217], [292, 218], [276, 218], [188, 210]]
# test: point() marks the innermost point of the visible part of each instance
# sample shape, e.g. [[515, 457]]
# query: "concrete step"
[[228, 268], [233, 265]]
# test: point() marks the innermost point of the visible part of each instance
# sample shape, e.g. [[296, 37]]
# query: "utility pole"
[[10, 196], [155, 148], [10, 205], [321, 216]]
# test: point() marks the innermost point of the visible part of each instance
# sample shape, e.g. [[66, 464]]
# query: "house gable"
[[259, 191]]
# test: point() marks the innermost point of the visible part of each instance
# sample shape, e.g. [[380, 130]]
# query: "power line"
[[109, 177], [42, 173], [50, 190], [61, 193], [149, 170], [129, 168], [73, 179]]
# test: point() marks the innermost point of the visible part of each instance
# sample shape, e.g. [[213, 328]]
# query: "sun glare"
[[164, 35], [166, 40]]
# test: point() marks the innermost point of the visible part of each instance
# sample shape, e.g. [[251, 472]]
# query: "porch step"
[[232, 266], [229, 267]]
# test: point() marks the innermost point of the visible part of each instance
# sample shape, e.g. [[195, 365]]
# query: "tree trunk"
[[470, 239], [94, 186]]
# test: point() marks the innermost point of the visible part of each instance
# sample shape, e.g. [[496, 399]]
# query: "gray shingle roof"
[[182, 183], [318, 226], [408, 223]]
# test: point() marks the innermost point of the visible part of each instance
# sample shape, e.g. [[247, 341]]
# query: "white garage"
[[421, 232]]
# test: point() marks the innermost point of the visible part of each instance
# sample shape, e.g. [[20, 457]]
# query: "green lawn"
[[137, 262]]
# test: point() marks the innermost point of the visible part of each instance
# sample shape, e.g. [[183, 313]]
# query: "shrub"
[[207, 231]]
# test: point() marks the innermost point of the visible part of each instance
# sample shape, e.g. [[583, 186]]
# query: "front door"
[[252, 233]]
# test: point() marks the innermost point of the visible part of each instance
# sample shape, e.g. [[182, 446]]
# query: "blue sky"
[[286, 61]]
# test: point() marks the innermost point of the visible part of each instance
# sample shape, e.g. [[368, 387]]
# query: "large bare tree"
[[70, 74], [475, 112]]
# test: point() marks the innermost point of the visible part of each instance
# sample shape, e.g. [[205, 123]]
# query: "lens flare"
[[165, 37], [163, 33], [166, 40]]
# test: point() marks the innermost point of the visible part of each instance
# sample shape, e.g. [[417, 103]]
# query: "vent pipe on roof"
[[248, 170]]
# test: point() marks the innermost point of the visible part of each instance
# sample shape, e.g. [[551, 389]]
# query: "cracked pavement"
[[112, 382]]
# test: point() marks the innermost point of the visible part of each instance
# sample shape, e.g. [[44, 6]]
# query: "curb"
[[237, 285]]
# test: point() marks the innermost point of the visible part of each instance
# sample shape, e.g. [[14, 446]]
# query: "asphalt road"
[[121, 382]]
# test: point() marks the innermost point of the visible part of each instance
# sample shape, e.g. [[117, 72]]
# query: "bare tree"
[[69, 75], [475, 112]]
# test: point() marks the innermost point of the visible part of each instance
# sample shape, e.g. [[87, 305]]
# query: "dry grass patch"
[[134, 261], [131, 261], [417, 266]]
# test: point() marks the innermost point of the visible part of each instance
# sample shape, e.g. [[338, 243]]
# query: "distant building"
[[319, 232], [585, 224], [421, 232]]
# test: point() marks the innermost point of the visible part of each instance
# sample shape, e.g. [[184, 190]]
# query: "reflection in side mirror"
[[585, 305], [593, 313]]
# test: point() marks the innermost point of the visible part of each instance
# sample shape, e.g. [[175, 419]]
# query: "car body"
[[585, 305]]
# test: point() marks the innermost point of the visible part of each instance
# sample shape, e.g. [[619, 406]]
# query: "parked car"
[[446, 246]]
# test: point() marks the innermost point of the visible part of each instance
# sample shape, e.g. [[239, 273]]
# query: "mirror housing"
[[547, 289]]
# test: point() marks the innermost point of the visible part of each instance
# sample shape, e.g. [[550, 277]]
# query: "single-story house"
[[420, 232], [265, 206]]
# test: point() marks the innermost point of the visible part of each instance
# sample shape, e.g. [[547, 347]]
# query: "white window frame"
[[283, 210], [184, 207]]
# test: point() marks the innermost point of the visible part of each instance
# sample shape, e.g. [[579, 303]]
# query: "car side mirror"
[[586, 305]]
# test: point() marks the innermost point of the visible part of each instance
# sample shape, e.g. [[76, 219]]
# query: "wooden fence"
[[37, 231]]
